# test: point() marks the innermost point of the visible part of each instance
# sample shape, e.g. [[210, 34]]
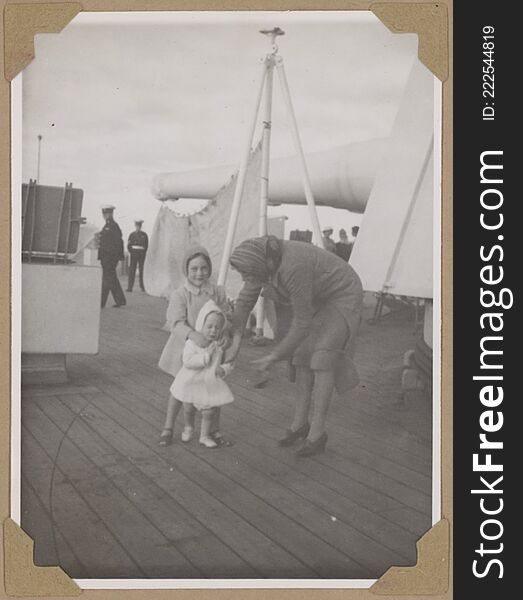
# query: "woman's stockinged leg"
[[305, 381], [323, 389]]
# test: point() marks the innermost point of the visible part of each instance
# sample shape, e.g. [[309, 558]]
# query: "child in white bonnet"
[[184, 306], [199, 382]]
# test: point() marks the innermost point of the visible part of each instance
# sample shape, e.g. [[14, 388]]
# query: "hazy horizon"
[[120, 101]]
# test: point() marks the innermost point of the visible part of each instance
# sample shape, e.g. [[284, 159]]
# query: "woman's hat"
[[257, 257]]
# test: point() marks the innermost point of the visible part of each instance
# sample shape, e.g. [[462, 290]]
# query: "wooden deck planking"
[[363, 506], [395, 436], [309, 549], [164, 472], [260, 430], [268, 408], [367, 496], [343, 443], [311, 506], [195, 542], [411, 452], [155, 392], [113, 340], [252, 510], [52, 548], [344, 461], [108, 502], [265, 487], [97, 549], [358, 400], [338, 424]]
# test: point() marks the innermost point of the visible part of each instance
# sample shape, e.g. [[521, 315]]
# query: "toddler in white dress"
[[199, 382]]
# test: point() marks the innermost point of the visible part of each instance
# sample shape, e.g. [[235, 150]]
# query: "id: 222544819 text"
[[488, 111]]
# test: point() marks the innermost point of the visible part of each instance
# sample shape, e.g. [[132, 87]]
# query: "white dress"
[[196, 382]]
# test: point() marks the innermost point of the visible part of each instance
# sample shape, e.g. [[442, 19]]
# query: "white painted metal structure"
[[394, 249], [269, 61], [389, 180], [60, 308], [341, 177]]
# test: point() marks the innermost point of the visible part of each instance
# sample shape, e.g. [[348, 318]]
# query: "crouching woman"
[[318, 299]]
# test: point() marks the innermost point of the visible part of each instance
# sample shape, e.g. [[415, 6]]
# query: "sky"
[[118, 101]]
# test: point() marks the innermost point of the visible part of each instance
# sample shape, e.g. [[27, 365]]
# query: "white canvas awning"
[[394, 248]]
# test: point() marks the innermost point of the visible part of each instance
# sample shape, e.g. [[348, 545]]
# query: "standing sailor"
[[137, 245], [110, 252]]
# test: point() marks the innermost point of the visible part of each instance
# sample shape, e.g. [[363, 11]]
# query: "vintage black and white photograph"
[[228, 344]]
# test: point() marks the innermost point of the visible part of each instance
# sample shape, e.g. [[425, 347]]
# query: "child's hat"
[[208, 308], [192, 251]]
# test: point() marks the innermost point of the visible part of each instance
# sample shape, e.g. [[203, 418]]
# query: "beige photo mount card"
[[432, 22]]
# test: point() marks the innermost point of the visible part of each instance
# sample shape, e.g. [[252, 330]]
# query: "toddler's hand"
[[220, 372], [198, 339]]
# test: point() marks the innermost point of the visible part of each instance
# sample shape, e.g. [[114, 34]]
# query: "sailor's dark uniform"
[[110, 252], [137, 245]]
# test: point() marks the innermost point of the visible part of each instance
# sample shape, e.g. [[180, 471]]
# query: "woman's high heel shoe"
[[294, 436], [312, 448]]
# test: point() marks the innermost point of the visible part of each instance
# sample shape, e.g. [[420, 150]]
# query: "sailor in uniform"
[[110, 252], [137, 245]]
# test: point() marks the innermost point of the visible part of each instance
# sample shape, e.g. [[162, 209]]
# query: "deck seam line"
[[214, 497], [53, 523], [371, 489], [91, 507], [118, 543], [291, 491], [412, 454]]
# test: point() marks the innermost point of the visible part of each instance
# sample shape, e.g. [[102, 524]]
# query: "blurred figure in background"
[[328, 243], [344, 246]]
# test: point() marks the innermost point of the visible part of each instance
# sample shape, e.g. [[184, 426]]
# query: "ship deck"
[[103, 500]]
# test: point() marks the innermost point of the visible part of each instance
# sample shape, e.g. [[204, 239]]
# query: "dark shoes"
[[220, 440], [308, 448], [166, 438], [294, 436], [118, 304], [312, 448]]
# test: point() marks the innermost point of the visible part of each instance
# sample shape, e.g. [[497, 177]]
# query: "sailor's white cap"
[[138, 221], [107, 207], [328, 228]]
